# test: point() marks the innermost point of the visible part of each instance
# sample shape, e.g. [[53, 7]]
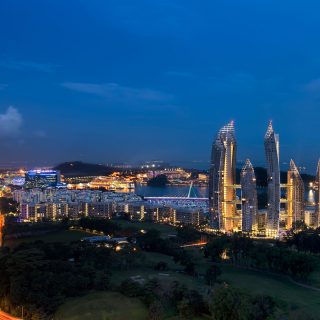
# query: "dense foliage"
[[8, 205], [101, 225], [159, 296], [159, 181], [225, 303], [13, 229], [188, 234], [39, 276], [151, 241], [229, 303], [248, 253], [307, 240]]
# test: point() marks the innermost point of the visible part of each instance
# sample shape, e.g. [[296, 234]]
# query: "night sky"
[[128, 81]]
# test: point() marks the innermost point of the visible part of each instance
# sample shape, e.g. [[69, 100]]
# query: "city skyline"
[[159, 159], [234, 206], [155, 88]]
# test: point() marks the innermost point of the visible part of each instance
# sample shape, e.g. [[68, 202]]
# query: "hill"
[[79, 169]]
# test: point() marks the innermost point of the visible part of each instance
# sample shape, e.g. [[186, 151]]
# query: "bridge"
[[190, 200]]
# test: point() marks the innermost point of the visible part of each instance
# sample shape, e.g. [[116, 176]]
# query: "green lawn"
[[102, 306], [58, 236], [291, 296], [278, 287], [146, 271], [107, 306], [314, 279]]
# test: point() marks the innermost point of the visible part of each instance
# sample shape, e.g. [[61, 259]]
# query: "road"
[[6, 316]]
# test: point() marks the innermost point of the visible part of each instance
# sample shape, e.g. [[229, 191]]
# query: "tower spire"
[[270, 130]]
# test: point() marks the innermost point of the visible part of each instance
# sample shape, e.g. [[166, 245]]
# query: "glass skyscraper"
[[249, 198], [295, 196], [271, 145], [222, 180]]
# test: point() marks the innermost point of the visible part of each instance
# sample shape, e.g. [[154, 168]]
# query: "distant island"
[[158, 181], [80, 169]]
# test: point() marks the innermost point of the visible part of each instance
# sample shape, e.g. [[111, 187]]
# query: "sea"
[[196, 192], [171, 191]]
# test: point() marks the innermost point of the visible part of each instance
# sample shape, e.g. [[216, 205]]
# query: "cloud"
[[313, 86], [114, 91], [10, 122], [27, 65]]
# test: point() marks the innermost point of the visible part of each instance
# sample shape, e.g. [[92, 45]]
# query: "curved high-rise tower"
[[222, 194], [295, 196], [249, 198], [271, 145]]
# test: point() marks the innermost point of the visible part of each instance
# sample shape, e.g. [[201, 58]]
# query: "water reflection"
[[171, 191]]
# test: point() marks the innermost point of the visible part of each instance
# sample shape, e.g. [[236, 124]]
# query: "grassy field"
[[294, 296], [58, 236], [281, 288], [291, 296], [107, 306], [102, 306], [315, 278]]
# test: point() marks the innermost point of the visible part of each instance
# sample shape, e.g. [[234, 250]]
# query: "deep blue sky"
[[123, 80]]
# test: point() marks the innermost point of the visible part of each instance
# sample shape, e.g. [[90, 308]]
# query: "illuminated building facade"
[[295, 196], [222, 179], [113, 182], [42, 179], [187, 216], [249, 198], [317, 197], [2, 222], [271, 145]]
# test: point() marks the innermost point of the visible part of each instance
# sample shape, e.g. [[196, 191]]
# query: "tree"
[[212, 273], [229, 303], [299, 226], [102, 282], [150, 291], [177, 292], [262, 307], [196, 302], [8, 205], [190, 269], [216, 247], [130, 288], [161, 266], [155, 310], [159, 181], [185, 309], [188, 234]]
